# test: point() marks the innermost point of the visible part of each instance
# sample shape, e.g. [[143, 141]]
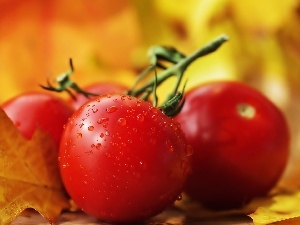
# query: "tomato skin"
[[123, 160], [238, 155], [31, 110], [97, 88]]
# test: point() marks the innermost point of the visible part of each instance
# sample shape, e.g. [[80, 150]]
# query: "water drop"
[[123, 97], [95, 110], [90, 128], [140, 117], [106, 133], [102, 120], [154, 117], [89, 152], [122, 121], [98, 146], [79, 135], [179, 197], [154, 110], [169, 146], [65, 165], [101, 135], [189, 150], [111, 109]]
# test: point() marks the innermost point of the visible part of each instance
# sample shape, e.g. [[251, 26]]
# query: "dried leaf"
[[29, 175], [281, 207]]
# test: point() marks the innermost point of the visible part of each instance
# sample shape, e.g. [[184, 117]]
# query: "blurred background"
[[108, 40]]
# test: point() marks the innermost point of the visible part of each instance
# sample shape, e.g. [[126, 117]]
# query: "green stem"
[[179, 68]]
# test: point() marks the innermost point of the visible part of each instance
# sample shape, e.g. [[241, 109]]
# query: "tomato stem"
[[175, 100], [65, 84], [178, 69]]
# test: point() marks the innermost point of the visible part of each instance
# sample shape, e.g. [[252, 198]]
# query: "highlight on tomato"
[[240, 140]]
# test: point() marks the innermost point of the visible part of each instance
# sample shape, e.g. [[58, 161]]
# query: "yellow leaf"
[[29, 174], [282, 207]]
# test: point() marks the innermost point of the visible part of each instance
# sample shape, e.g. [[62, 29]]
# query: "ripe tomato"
[[31, 110], [240, 141], [97, 88], [123, 160]]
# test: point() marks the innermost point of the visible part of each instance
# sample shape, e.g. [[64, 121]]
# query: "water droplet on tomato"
[[122, 121], [189, 150], [93, 145], [106, 133], [154, 110], [81, 125], [101, 135], [111, 109], [169, 146], [98, 146], [140, 117], [102, 120], [95, 110], [90, 128], [143, 165], [79, 135], [154, 117], [65, 165], [179, 197], [89, 152]]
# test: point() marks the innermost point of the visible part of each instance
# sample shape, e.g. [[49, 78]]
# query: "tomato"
[[33, 110], [123, 160], [240, 141], [97, 88]]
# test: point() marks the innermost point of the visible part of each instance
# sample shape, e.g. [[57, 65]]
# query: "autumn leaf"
[[29, 175], [281, 208]]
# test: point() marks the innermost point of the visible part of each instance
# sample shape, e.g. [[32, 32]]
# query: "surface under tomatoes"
[[122, 159], [32, 110], [240, 141]]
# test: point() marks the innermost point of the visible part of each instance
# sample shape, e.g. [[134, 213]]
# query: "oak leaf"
[[29, 174]]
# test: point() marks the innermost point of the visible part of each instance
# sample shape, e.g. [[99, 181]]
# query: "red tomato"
[[122, 159], [240, 141], [97, 88], [35, 109]]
